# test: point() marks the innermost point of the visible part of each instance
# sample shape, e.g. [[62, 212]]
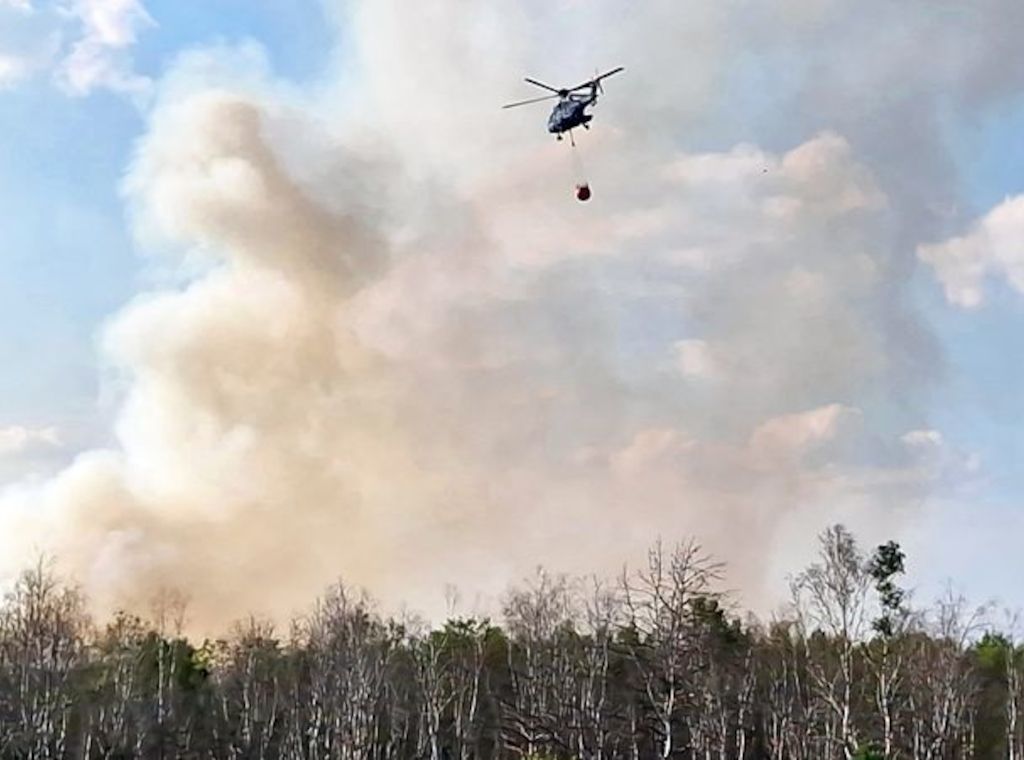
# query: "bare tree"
[[346, 651], [433, 677], [1014, 685], [656, 665], [251, 692], [659, 601], [830, 596], [43, 632], [602, 606], [941, 680], [466, 640], [1000, 657], [540, 616], [784, 697], [113, 720]]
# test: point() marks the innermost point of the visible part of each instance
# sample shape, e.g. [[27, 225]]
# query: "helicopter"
[[570, 110]]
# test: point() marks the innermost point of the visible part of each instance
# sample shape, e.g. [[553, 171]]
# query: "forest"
[[656, 663]]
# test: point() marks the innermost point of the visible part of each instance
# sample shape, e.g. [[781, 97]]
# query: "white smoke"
[[406, 355]]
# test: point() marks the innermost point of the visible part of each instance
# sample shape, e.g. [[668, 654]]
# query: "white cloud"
[[17, 439], [12, 70], [929, 449], [85, 44], [923, 439], [113, 23], [794, 435], [22, 6], [994, 247], [29, 42], [99, 57], [696, 359]]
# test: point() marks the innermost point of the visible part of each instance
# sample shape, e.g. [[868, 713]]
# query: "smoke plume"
[[398, 351]]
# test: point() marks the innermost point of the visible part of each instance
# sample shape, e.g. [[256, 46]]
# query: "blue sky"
[[69, 263], [68, 259], [978, 400]]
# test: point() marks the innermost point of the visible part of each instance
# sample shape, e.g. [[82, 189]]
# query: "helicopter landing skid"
[[572, 140]]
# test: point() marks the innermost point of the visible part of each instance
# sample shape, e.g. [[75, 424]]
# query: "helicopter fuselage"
[[571, 110], [570, 113]]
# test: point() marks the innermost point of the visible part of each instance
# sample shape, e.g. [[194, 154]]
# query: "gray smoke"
[[404, 354]]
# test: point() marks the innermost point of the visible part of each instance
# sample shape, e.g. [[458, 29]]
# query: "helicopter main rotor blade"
[[531, 100], [597, 79], [545, 86]]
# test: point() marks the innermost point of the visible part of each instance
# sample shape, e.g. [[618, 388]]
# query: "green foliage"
[[869, 752], [992, 651], [886, 563]]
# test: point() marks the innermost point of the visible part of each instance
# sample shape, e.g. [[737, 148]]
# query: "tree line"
[[654, 664]]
